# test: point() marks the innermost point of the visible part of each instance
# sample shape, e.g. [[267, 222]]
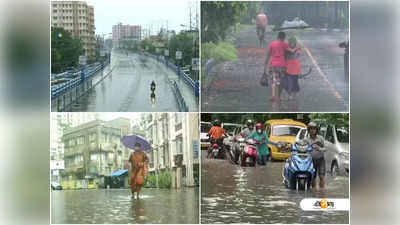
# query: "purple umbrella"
[[130, 141]]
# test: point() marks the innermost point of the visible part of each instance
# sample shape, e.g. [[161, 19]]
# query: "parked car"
[[337, 154], [282, 132], [337, 144], [55, 186], [204, 140]]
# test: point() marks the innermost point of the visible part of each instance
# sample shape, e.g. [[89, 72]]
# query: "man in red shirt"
[[276, 62]]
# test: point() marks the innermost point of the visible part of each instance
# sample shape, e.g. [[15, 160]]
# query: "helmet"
[[217, 123], [249, 123], [259, 126], [215, 146], [312, 124]]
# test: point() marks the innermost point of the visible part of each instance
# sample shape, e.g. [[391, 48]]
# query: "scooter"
[[248, 157], [298, 171]]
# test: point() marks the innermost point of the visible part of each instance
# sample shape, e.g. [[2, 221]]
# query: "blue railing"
[[189, 81], [81, 76], [181, 101]]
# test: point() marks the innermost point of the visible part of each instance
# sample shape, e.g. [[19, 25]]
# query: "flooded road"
[[126, 87], [116, 206], [257, 195], [234, 86]]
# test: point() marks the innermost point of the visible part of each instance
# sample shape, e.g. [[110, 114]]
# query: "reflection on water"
[[116, 206], [257, 195]]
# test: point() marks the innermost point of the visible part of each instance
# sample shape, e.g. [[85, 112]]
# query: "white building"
[[76, 17], [174, 137]]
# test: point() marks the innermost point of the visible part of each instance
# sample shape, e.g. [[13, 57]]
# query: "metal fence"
[[181, 101], [189, 81], [86, 73]]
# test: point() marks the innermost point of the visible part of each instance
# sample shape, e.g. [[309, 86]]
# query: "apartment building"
[[175, 142], [94, 149], [122, 32], [76, 17]]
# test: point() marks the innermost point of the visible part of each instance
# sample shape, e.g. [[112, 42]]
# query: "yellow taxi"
[[282, 133]]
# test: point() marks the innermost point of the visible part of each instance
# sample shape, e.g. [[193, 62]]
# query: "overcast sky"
[[110, 12]]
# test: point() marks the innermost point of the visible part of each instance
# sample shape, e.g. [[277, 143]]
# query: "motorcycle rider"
[[216, 134], [261, 23], [249, 129], [261, 137], [317, 142]]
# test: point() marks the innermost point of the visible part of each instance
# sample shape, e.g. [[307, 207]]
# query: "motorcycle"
[[298, 171], [248, 157], [217, 149], [235, 149]]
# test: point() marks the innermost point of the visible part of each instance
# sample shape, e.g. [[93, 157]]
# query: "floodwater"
[[116, 206], [232, 194]]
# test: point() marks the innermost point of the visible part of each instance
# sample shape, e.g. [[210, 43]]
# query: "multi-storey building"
[[76, 17], [175, 146], [59, 123], [94, 149], [122, 32]]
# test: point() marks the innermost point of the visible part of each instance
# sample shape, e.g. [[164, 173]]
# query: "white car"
[[204, 140]]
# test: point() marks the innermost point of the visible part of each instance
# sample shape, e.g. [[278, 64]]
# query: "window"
[[179, 145], [110, 156], [71, 142], [285, 130], [55, 11], [178, 118], [54, 17], [93, 156], [81, 140], [268, 130], [302, 134], [329, 135], [92, 137], [342, 134]]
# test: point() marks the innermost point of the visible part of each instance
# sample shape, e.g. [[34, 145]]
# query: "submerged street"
[[116, 206], [232, 194]]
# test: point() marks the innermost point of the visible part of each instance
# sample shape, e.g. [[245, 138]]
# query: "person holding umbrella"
[[139, 161], [139, 169]]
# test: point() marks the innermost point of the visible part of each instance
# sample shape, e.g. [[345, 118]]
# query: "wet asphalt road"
[[127, 87], [115, 206], [234, 86], [231, 194]]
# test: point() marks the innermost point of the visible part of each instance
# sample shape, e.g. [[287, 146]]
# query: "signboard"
[[56, 164], [195, 63], [82, 60], [195, 149], [166, 52], [178, 55]]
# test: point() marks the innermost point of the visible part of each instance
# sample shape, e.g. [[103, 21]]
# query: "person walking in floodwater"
[[139, 169], [293, 70], [276, 63]]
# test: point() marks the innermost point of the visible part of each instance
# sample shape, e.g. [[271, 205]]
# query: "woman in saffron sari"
[[139, 169]]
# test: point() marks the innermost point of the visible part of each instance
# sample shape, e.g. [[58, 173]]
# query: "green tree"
[[65, 50], [218, 17], [187, 42]]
